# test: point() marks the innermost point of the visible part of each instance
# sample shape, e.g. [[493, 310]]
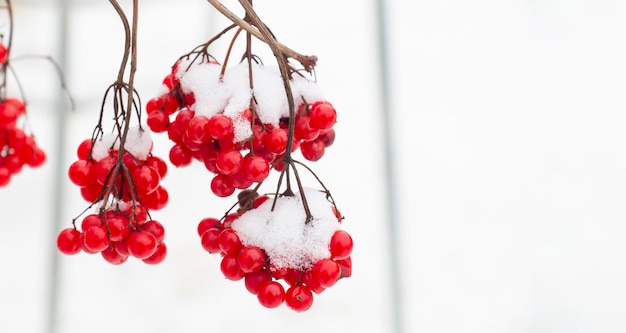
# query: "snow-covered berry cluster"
[[239, 133], [283, 255], [98, 171], [126, 188]]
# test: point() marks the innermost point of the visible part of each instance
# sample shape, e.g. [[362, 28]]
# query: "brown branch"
[[308, 62]]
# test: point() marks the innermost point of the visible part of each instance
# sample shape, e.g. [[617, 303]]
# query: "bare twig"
[[308, 62]]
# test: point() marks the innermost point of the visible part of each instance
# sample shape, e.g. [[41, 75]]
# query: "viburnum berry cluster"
[[283, 255], [132, 183], [117, 233], [207, 113], [17, 147], [119, 176]]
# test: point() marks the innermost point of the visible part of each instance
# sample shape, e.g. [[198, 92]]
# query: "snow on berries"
[[282, 254], [100, 172], [131, 186], [210, 118]]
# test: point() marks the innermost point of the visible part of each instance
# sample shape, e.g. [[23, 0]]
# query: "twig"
[[308, 62]]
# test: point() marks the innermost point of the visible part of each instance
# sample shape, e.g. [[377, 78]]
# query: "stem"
[[133, 69], [127, 43], [130, 51], [228, 52]]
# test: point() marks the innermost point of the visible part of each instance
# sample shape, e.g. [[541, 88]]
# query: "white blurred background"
[[508, 126]]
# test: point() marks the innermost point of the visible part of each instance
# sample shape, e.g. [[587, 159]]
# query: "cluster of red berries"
[[117, 233], [236, 163], [122, 228], [274, 285], [17, 148], [138, 179]]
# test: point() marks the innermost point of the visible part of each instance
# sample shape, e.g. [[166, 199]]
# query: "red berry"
[[229, 162], [240, 181], [68, 241], [121, 247], [196, 131], [210, 240], [254, 280], [118, 227], [113, 257], [155, 228], [323, 116], [255, 168], [206, 224], [170, 104], [222, 186], [340, 245], [91, 193], [82, 152], [170, 80], [220, 127], [155, 200], [327, 137], [228, 220], [158, 121], [303, 130], [96, 238], [276, 141], [14, 163], [346, 267], [158, 256], [299, 298], [5, 176], [326, 272], [154, 105], [180, 156], [8, 114], [146, 179], [229, 242], [271, 294], [4, 54], [309, 281], [251, 259], [230, 268], [103, 168], [82, 172], [312, 150], [37, 157], [141, 244], [157, 164], [293, 276]]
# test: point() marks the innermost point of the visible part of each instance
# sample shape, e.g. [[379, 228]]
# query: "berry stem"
[[121, 111], [228, 52]]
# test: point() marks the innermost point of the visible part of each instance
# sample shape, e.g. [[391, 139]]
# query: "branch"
[[308, 62]]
